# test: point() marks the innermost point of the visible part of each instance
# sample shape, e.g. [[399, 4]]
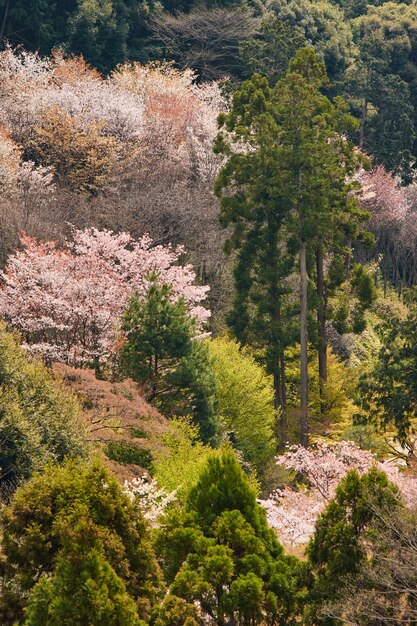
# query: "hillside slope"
[[118, 420]]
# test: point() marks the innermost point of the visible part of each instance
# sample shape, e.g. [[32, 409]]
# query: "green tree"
[[159, 334], [39, 420], [291, 191], [245, 401], [84, 588], [257, 210], [355, 8], [219, 552], [341, 543], [105, 32], [381, 85], [52, 514], [162, 353], [324, 27], [387, 394], [270, 53]]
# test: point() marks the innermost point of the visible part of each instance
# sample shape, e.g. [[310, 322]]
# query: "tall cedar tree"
[[285, 181]]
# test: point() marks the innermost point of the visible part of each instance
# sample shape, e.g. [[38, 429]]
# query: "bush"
[[124, 452], [70, 525], [39, 420], [181, 468], [245, 396]]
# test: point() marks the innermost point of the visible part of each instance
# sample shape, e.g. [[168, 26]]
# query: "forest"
[[208, 312]]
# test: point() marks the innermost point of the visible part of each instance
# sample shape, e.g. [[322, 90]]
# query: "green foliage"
[[75, 518], [270, 53], [84, 589], [289, 190], [159, 333], [339, 545], [174, 611], [381, 84], [125, 452], [245, 401], [187, 455], [219, 551], [39, 420], [105, 32], [331, 404], [196, 380], [161, 352], [387, 394], [324, 27]]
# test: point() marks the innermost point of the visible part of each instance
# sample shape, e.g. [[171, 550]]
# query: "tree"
[[68, 302], [106, 32], [158, 334], [340, 544], [291, 184], [324, 27], [294, 510], [163, 124], [84, 587], [387, 395], [391, 224], [270, 52], [382, 589], [258, 211], [219, 551], [39, 421], [81, 157], [206, 40], [245, 401], [75, 518], [163, 353], [383, 82]]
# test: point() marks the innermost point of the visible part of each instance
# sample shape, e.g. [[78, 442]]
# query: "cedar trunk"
[[303, 345], [321, 325]]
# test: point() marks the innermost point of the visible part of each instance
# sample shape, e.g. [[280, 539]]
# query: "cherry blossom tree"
[[293, 512], [67, 301], [153, 499], [394, 226]]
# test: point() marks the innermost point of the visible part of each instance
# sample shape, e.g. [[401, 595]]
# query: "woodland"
[[208, 313]]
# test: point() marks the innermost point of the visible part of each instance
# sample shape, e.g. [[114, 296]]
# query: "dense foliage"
[[39, 420], [75, 518], [209, 206]]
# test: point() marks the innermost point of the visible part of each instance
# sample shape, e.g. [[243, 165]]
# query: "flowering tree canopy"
[[67, 301], [294, 512]]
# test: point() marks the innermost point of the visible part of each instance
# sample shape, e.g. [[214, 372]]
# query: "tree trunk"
[[321, 325], [280, 402], [303, 345], [363, 122], [279, 425]]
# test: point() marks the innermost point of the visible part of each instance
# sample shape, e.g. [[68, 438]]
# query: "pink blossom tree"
[[67, 301], [293, 512]]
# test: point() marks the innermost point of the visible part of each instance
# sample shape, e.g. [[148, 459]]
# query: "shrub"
[[74, 518], [39, 420], [124, 452], [245, 396]]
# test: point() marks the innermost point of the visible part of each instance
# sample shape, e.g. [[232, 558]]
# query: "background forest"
[[208, 364]]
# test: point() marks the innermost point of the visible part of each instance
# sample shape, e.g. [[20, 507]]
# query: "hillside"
[[208, 312], [116, 412]]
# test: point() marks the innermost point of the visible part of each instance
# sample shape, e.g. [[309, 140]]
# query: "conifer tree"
[[285, 187]]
